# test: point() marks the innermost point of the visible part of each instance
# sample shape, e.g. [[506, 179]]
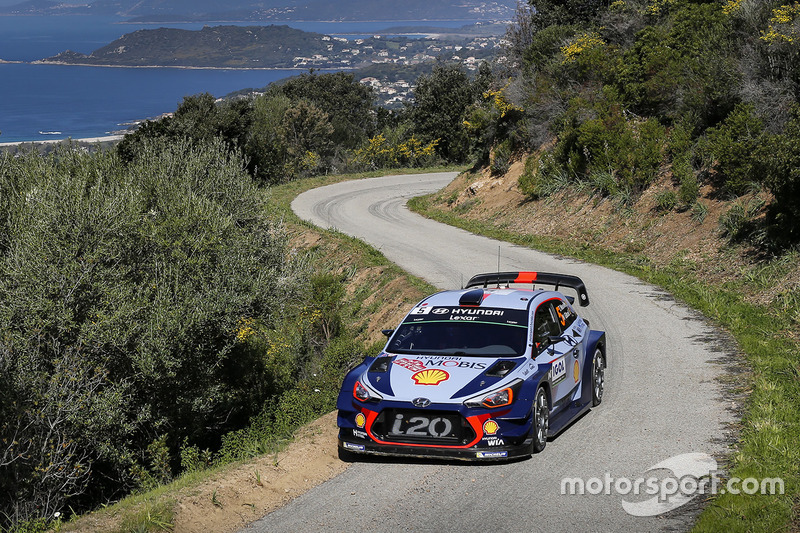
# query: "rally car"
[[486, 372]]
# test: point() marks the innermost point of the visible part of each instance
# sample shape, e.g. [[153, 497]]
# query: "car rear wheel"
[[598, 376], [541, 420]]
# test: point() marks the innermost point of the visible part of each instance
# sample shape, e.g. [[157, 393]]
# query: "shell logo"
[[490, 427], [430, 376], [361, 420], [576, 371]]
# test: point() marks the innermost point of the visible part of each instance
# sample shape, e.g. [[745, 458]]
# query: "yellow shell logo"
[[576, 371], [490, 427], [361, 420], [431, 376]]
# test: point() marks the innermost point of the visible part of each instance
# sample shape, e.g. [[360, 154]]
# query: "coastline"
[[185, 67], [106, 138], [310, 21]]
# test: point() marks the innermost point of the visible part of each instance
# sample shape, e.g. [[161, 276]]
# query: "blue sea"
[[43, 102]]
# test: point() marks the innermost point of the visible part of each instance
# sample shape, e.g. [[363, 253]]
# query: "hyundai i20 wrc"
[[486, 372]]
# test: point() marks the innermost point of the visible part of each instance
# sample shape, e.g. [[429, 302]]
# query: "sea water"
[[41, 102]]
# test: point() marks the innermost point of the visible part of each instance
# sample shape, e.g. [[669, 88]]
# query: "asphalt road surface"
[[662, 398]]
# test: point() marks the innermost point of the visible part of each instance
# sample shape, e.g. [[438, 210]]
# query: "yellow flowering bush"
[[581, 45], [500, 101], [379, 152], [310, 160], [731, 6], [244, 329], [781, 27], [413, 150], [376, 153]]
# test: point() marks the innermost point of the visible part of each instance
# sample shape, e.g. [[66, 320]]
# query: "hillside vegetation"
[[619, 91]]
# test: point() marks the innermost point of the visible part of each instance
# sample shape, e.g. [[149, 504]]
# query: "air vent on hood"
[[381, 365], [501, 368], [473, 297]]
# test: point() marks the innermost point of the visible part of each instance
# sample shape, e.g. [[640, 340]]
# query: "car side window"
[[545, 325], [566, 316]]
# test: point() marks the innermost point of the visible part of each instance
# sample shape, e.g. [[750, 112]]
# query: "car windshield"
[[459, 338]]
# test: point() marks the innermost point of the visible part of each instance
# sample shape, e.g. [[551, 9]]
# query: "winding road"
[[662, 397]]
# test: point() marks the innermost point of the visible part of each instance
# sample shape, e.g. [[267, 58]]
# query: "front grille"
[[422, 427]]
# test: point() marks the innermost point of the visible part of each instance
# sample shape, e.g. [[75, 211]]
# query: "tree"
[[440, 104], [200, 118], [348, 103], [306, 129], [265, 147]]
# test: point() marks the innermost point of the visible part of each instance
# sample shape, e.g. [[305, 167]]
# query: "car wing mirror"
[[552, 340], [387, 332]]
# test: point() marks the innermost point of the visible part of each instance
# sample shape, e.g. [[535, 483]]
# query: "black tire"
[[541, 420], [598, 376]]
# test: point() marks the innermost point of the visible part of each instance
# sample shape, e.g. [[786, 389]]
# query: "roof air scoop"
[[473, 297]]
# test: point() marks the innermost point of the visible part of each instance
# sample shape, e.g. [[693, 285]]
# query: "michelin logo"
[[491, 455]]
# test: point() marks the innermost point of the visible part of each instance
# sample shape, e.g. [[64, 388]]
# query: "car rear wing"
[[545, 278]]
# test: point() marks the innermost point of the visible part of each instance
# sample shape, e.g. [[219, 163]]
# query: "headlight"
[[496, 398], [363, 394], [499, 398]]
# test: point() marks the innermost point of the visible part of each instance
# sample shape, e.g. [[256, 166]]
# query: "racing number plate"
[[426, 426]]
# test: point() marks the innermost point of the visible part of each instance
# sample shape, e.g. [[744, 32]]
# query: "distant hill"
[[278, 10], [219, 46]]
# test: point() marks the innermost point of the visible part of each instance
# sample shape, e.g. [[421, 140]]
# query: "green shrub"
[[666, 201], [779, 167], [542, 177], [529, 179], [740, 223], [125, 286], [193, 459], [699, 212], [604, 182], [688, 186], [39, 525], [681, 137], [545, 46], [604, 138], [501, 158], [310, 396], [733, 146]]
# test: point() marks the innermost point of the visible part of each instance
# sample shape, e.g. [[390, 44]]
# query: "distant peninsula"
[[216, 47], [273, 47]]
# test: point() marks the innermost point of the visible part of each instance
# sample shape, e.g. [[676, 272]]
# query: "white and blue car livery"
[[478, 373]]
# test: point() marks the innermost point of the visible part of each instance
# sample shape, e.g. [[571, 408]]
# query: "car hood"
[[439, 378]]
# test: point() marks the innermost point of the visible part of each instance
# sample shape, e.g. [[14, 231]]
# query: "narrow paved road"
[[661, 400]]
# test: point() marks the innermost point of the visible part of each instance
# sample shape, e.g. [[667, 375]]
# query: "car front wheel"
[[541, 420]]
